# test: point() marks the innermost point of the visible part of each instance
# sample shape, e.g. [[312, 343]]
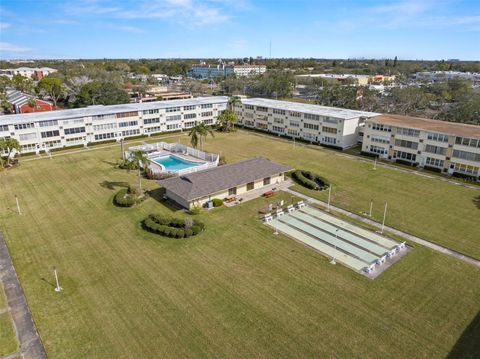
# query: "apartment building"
[[64, 128], [205, 71], [443, 146], [314, 123], [29, 72]]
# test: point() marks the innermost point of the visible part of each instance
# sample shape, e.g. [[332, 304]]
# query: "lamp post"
[[384, 217], [375, 164], [18, 205], [57, 288], [371, 207], [335, 248], [329, 195]]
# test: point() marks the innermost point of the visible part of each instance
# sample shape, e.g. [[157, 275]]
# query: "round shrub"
[[310, 180], [124, 199], [172, 227], [217, 202]]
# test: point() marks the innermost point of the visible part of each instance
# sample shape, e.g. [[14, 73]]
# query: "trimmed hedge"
[[124, 199], [217, 202], [171, 227], [310, 180]]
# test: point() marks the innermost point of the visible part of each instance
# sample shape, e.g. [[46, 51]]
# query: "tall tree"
[[138, 160], [199, 133], [52, 87], [226, 121], [8, 145]]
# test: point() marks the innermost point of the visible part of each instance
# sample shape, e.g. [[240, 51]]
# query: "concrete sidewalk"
[[31, 346], [404, 235]]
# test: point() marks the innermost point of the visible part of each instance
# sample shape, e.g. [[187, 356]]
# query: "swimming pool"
[[173, 163]]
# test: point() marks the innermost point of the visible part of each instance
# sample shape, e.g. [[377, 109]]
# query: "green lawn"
[[8, 340], [235, 290]]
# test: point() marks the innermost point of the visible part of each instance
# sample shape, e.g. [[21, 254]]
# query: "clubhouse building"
[[76, 127], [224, 182], [443, 146]]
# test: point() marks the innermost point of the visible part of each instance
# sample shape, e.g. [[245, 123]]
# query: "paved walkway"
[[404, 235], [31, 346]]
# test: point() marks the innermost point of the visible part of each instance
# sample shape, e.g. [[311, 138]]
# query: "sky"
[[409, 29]]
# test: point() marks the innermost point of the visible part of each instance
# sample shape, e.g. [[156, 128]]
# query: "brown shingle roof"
[[451, 128], [201, 184]]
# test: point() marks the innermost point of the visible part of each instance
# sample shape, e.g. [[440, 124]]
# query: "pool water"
[[174, 163]]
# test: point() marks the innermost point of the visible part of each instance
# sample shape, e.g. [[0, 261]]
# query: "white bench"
[[290, 208], [280, 212], [300, 204], [268, 217]]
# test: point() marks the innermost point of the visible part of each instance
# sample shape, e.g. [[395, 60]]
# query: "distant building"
[[22, 103], [442, 76], [29, 72], [206, 71], [445, 146], [360, 80]]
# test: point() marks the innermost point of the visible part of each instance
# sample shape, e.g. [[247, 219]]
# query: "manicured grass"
[[235, 290], [437, 211], [8, 341]]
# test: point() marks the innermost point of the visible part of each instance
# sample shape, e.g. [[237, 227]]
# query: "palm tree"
[[226, 121], [138, 160], [199, 133], [8, 145], [233, 101]]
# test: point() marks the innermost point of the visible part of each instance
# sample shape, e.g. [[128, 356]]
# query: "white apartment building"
[[205, 71], [331, 126], [28, 72], [56, 129], [445, 146]]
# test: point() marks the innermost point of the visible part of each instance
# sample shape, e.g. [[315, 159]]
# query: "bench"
[[268, 194]]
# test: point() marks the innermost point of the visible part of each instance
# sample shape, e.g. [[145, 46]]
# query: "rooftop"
[[309, 108], [201, 184], [451, 128], [103, 110], [337, 76]]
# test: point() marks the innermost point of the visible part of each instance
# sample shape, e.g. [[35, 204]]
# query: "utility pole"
[[57, 288], [371, 207], [384, 217], [18, 205], [122, 149]]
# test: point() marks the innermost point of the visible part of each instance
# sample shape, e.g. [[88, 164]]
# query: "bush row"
[[310, 180], [124, 199], [172, 227]]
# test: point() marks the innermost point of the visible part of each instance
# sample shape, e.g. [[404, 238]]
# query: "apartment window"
[[309, 116], [47, 134], [27, 136], [262, 109], [71, 131], [29, 147], [472, 142], [378, 150], [329, 130], [311, 126], [381, 127], [471, 170], [23, 126], [153, 129], [105, 126], [405, 155], [150, 112], [48, 123], [189, 116], [51, 144], [330, 120], [207, 105], [189, 124], [292, 132], [380, 139], [295, 114], [105, 136], [104, 117], [266, 181], [278, 129], [3, 128], [435, 149], [250, 186], [174, 118], [207, 114], [148, 121], [73, 121], [294, 123], [309, 136], [406, 144], [262, 126], [330, 140], [75, 140], [232, 191], [249, 107], [130, 132], [189, 108], [434, 162], [128, 124], [464, 155], [127, 114], [408, 132], [208, 122], [278, 112], [437, 137], [278, 120], [173, 126]]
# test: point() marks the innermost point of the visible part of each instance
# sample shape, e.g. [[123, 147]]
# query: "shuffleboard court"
[[357, 248]]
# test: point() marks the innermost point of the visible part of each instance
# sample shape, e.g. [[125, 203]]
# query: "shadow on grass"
[[111, 163], [113, 184], [158, 193], [468, 345], [476, 201]]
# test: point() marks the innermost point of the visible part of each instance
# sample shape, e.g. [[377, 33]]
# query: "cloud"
[[12, 48], [127, 28], [4, 25]]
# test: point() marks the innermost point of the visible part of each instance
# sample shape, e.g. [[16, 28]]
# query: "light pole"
[[371, 207], [329, 196], [375, 164], [335, 248], [57, 288], [275, 228], [121, 148], [18, 205], [384, 217]]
